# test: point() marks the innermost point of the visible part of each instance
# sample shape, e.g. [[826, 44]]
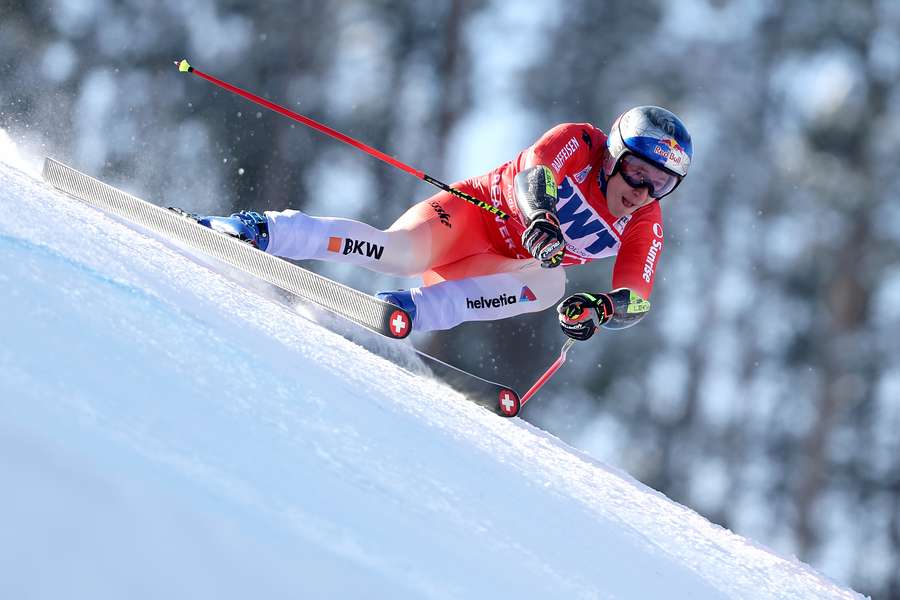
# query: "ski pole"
[[185, 67], [548, 373]]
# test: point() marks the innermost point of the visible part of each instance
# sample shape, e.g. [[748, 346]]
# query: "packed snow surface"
[[166, 433]]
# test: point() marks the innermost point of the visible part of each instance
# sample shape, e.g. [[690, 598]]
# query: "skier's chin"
[[621, 208]]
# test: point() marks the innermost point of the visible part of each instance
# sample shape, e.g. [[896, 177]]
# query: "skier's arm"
[[633, 274], [581, 314], [566, 149], [640, 251], [535, 198]]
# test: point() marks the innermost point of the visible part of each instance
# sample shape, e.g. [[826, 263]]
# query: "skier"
[[574, 196]]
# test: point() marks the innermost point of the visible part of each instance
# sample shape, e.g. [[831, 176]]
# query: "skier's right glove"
[[544, 239], [581, 314], [535, 197]]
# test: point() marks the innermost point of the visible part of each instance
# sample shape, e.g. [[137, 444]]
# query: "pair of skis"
[[361, 308]]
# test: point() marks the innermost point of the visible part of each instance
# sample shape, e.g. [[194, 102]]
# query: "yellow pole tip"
[[184, 66]]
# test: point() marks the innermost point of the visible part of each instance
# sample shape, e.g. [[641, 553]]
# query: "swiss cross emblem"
[[399, 324], [509, 403]]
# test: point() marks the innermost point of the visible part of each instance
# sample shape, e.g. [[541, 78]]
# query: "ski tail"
[[496, 397], [354, 305]]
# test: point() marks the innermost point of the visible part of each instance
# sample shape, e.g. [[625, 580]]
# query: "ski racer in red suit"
[[574, 196]]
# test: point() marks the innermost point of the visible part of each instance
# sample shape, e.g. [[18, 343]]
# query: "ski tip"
[[184, 66]]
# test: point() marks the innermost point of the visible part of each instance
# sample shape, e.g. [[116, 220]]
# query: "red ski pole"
[[185, 67], [548, 374]]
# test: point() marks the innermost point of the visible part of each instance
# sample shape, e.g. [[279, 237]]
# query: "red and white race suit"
[[473, 264]]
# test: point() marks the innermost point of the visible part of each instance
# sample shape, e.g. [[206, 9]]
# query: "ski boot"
[[247, 226], [400, 299]]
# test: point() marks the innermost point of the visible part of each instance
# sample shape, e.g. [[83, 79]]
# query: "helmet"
[[654, 134]]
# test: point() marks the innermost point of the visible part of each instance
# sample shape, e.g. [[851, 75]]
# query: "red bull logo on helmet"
[[670, 150]]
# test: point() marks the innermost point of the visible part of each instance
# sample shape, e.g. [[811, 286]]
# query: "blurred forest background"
[[764, 388]]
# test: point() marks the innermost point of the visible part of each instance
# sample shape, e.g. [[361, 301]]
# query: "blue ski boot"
[[247, 226], [400, 299]]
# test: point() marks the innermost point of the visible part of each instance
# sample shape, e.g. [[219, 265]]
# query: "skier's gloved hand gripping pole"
[[582, 314], [185, 67], [535, 197]]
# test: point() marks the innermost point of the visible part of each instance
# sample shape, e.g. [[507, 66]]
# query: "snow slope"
[[165, 433]]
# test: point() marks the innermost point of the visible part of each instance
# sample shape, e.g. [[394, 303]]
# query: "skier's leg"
[[424, 235], [498, 288], [456, 229]]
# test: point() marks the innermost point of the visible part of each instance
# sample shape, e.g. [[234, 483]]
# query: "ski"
[[361, 308], [496, 397]]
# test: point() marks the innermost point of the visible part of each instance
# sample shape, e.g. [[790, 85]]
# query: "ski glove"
[[544, 239], [535, 197], [581, 314]]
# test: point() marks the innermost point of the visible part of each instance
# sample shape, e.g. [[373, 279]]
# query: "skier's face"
[[622, 199]]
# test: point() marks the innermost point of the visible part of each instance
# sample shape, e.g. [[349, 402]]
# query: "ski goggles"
[[638, 172]]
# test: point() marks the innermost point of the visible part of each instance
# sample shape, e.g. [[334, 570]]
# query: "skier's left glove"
[[581, 314]]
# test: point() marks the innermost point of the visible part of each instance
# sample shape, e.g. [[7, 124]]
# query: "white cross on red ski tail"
[[509, 403], [399, 322]]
